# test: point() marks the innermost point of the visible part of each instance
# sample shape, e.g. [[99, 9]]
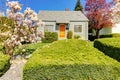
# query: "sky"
[[50, 4], [38, 5]]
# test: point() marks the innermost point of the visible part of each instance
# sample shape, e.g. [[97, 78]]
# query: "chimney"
[[66, 9]]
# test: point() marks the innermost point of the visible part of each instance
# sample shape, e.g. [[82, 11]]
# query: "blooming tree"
[[98, 12], [25, 26], [116, 12]]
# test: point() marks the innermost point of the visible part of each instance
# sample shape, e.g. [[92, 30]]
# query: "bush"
[[109, 46], [50, 37], [3, 38], [69, 34], [110, 35], [66, 60], [76, 36], [4, 62]]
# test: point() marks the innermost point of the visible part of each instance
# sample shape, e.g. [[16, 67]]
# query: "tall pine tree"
[[78, 6]]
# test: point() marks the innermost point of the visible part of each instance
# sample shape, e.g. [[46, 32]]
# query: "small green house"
[[63, 21]]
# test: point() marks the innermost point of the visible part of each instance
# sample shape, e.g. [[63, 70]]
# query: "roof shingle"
[[62, 16]]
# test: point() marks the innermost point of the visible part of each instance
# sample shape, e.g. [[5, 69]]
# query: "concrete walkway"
[[16, 70]]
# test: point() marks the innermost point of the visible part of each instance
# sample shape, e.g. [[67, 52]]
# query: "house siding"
[[68, 18], [109, 30], [51, 23], [84, 33]]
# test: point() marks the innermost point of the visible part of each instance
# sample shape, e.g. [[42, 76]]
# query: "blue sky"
[[50, 4]]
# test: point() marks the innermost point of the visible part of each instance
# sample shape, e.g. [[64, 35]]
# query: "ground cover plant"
[[70, 60], [110, 46], [27, 49]]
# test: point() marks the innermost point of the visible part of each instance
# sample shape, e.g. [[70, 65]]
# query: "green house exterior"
[[63, 21]]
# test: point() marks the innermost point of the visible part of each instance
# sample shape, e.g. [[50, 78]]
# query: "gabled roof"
[[62, 16]]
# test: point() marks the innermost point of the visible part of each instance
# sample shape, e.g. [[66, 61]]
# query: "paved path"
[[15, 71]]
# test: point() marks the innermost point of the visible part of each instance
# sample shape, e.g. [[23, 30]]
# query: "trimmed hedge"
[[70, 60], [4, 61], [50, 37], [109, 46], [110, 35]]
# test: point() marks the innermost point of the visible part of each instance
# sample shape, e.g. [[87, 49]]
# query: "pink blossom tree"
[[99, 14], [25, 26]]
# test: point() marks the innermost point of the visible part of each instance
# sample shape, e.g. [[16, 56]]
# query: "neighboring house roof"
[[62, 16]]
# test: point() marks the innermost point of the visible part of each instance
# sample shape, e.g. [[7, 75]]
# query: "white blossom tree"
[[25, 26], [116, 12]]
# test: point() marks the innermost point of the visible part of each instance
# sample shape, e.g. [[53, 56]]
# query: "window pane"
[[78, 28], [57, 27], [67, 27], [48, 28]]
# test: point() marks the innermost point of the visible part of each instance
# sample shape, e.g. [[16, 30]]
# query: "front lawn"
[[70, 60]]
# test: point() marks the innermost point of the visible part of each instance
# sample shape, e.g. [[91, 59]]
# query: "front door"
[[62, 31]]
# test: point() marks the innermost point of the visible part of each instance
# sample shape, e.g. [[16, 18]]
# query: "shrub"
[[4, 61], [76, 36], [69, 34], [3, 38], [109, 46], [66, 60], [50, 37], [110, 35]]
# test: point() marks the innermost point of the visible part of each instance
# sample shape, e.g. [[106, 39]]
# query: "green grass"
[[4, 61], [28, 48], [70, 60], [110, 46]]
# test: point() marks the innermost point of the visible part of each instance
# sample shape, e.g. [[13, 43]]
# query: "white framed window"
[[77, 28], [48, 28]]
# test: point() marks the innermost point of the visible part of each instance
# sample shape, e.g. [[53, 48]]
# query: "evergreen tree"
[[78, 6]]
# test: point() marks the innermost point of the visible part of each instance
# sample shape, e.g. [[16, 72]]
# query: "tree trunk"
[[97, 33]]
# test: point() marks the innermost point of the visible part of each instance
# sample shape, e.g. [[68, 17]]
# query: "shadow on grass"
[[72, 72]]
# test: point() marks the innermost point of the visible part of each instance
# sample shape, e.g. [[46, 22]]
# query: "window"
[[78, 28], [67, 27], [57, 27], [48, 28]]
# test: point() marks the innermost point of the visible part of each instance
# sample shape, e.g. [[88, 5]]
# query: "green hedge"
[[110, 35], [70, 60], [109, 46], [50, 37], [4, 61]]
